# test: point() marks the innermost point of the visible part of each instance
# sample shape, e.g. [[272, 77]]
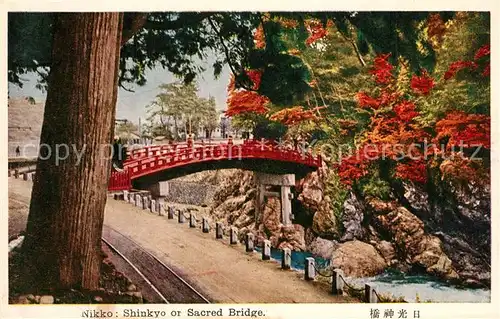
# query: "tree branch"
[[226, 53], [334, 89], [356, 49], [132, 23], [179, 23], [126, 89], [358, 54]]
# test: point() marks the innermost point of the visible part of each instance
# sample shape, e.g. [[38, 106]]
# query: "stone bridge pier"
[[285, 181]]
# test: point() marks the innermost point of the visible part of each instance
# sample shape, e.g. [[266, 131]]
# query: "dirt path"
[[19, 200], [225, 273]]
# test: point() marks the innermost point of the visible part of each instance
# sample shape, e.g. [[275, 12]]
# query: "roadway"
[[224, 273]]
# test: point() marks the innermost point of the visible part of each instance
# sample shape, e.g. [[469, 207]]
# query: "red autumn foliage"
[[413, 171], [382, 69], [287, 23], [243, 101], [405, 111], [246, 102], [316, 31], [469, 130], [459, 167], [395, 136], [259, 38], [352, 168], [295, 115], [254, 75], [391, 135], [364, 100], [386, 98], [457, 66], [389, 138], [482, 51], [388, 131], [422, 84], [435, 26], [486, 71], [347, 124]]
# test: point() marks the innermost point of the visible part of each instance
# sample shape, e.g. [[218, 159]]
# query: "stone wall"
[[190, 193]]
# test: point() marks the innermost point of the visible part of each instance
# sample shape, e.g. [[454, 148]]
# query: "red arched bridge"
[[151, 164]]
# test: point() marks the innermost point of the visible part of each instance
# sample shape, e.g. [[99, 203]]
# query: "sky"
[[132, 106]]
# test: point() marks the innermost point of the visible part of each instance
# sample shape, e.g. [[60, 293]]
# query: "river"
[[411, 287]]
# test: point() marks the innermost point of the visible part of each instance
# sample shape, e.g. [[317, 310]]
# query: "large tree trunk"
[[68, 199]]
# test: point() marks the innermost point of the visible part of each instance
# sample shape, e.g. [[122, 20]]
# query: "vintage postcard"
[[218, 161]]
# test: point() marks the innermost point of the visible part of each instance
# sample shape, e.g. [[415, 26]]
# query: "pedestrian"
[[18, 151]]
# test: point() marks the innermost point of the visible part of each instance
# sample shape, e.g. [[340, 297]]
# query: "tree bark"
[[69, 195]]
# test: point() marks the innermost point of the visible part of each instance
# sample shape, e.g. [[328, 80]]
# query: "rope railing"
[[322, 275], [370, 294], [351, 287], [376, 294]]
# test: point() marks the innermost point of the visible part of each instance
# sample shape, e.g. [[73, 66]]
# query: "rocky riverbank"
[[444, 235]]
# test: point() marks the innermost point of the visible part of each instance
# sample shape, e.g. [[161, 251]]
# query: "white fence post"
[[205, 226], [286, 258], [370, 294], [310, 272], [266, 250]]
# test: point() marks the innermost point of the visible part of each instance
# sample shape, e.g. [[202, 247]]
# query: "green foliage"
[[465, 92], [265, 128], [374, 186], [172, 39], [244, 122], [126, 127], [337, 193], [178, 108], [29, 45]]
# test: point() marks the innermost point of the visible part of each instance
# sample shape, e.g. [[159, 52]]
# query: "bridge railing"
[[170, 149], [164, 149], [161, 157], [120, 180]]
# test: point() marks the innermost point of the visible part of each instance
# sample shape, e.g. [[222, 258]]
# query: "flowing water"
[[411, 287]]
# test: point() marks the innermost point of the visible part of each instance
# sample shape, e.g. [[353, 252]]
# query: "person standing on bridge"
[[18, 151], [190, 140]]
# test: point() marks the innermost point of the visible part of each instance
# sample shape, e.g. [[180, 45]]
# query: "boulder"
[[311, 190], [386, 250], [292, 237], [271, 216], [232, 204], [323, 247], [309, 236], [324, 221], [420, 249], [47, 299], [358, 259], [23, 300], [243, 220], [352, 217], [417, 198]]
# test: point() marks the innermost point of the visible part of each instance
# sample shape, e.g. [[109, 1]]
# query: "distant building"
[[129, 137], [224, 128]]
